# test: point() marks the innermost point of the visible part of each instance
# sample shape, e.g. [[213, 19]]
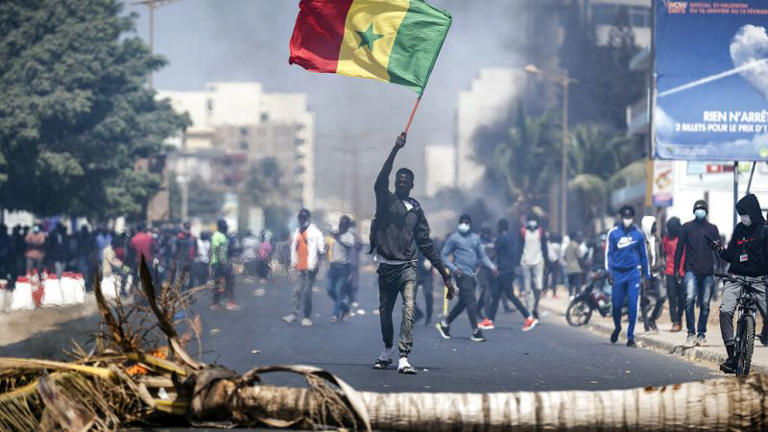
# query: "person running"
[[747, 253], [674, 287], [699, 268], [306, 247], [486, 280], [533, 248], [626, 253], [339, 249], [223, 277], [399, 230], [466, 249], [507, 260]]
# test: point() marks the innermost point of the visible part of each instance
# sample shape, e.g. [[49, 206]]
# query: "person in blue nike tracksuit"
[[625, 257]]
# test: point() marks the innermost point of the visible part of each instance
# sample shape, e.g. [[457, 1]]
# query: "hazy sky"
[[220, 40]]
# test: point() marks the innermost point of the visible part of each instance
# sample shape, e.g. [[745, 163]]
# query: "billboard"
[[711, 70]]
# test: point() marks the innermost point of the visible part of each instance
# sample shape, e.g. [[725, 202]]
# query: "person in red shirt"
[[141, 243], [674, 287]]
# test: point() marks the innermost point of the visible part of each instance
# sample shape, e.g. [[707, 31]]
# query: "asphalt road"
[[553, 356]]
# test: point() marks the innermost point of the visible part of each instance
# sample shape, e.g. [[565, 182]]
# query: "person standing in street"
[[398, 232], [341, 244], [533, 248], [699, 268], [466, 249], [507, 260], [35, 253], [625, 257], [223, 275], [674, 287], [573, 265], [306, 247], [747, 254]]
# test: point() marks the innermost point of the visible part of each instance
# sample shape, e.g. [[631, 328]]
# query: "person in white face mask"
[[462, 253], [533, 248], [699, 268]]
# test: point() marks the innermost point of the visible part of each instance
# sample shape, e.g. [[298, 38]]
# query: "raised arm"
[[382, 181]]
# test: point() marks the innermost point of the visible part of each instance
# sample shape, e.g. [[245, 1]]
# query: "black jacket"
[[507, 254], [397, 233], [747, 251], [695, 238]]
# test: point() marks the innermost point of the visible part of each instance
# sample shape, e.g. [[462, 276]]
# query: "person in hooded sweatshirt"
[[747, 254], [674, 288], [699, 268]]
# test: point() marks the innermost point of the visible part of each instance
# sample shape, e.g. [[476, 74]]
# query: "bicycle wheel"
[[578, 313], [747, 344]]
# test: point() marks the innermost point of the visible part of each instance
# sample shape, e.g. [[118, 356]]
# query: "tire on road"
[[578, 313]]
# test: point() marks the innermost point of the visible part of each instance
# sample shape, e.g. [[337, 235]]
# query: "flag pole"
[[413, 112]]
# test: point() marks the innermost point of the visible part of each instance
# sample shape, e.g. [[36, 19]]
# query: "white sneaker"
[[404, 367], [290, 318], [306, 322]]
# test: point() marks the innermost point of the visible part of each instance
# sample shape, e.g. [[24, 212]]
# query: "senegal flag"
[[394, 41]]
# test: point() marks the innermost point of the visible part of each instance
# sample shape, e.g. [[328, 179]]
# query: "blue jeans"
[[338, 279], [697, 287], [626, 284]]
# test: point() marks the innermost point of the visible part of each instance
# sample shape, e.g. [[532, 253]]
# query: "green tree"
[[74, 112]]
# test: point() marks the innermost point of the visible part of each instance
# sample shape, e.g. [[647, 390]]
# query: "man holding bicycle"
[[747, 254]]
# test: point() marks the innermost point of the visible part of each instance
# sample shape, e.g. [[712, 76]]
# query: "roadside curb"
[[707, 355]]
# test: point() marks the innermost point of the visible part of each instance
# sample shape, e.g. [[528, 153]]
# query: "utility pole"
[[151, 6]]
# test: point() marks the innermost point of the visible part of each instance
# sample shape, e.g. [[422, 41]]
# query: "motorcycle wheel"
[[578, 313]]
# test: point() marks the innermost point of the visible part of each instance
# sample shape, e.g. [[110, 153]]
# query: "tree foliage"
[[74, 113]]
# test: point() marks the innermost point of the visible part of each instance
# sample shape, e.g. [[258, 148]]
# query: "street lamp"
[[565, 81], [151, 6]]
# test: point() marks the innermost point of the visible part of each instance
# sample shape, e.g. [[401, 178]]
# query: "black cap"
[[627, 211], [701, 204]]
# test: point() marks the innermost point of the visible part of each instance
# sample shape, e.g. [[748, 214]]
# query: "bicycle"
[[745, 327]]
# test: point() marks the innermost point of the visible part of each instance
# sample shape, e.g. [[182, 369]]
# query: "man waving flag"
[[395, 41]]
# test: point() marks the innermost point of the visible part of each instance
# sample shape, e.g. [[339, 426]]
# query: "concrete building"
[[440, 168], [604, 14], [487, 101], [236, 123]]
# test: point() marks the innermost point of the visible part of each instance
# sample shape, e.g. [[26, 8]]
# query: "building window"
[[243, 131], [610, 14], [639, 16], [264, 116]]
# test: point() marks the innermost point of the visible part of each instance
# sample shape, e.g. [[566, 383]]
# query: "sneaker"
[[215, 307], [676, 327], [763, 338], [729, 366], [306, 322], [381, 364], [530, 323], [631, 343], [444, 330], [404, 367], [701, 340], [485, 324], [290, 318], [615, 336], [232, 306], [477, 336], [690, 341], [334, 320]]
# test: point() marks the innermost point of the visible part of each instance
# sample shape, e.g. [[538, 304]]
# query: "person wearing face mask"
[[747, 254], [625, 257], [532, 244], [698, 268], [399, 231], [466, 249], [306, 247]]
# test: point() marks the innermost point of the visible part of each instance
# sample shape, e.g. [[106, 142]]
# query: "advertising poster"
[[663, 183], [711, 67]]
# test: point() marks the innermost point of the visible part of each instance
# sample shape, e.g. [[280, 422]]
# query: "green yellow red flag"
[[395, 41]]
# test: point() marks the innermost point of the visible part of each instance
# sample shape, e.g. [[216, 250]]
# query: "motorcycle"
[[592, 297]]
